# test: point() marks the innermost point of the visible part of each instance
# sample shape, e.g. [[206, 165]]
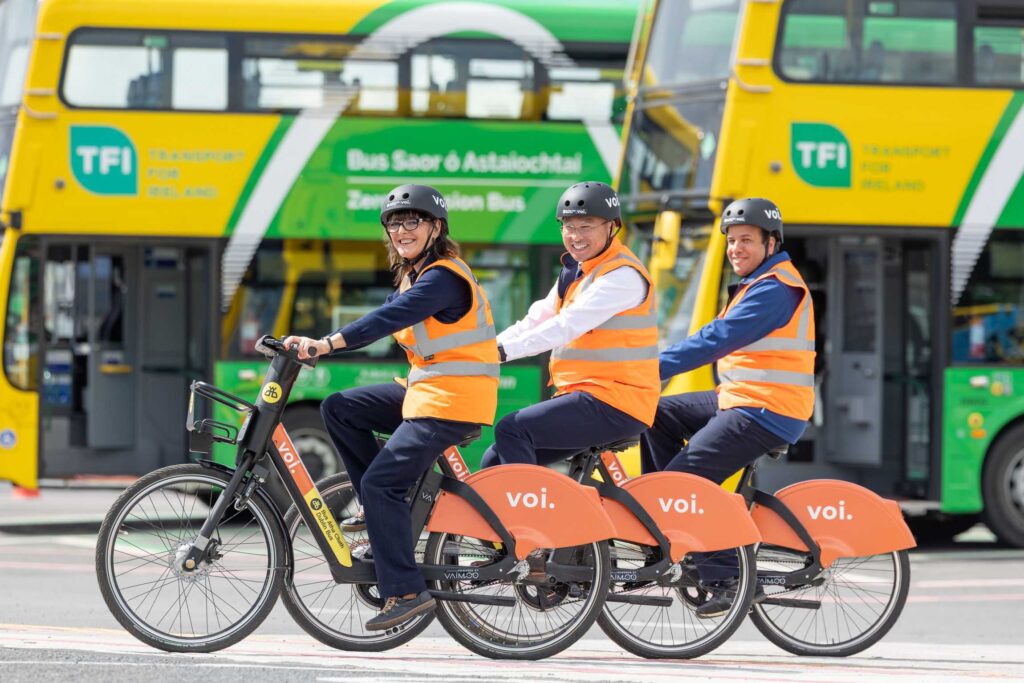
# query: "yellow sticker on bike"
[[321, 513]]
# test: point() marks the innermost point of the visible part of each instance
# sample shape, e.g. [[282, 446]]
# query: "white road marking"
[[586, 661]]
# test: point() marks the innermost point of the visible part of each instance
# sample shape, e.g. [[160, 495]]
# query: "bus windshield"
[[679, 107], [691, 42], [17, 19]]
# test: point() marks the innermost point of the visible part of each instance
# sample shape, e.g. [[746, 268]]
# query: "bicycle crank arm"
[[792, 602], [494, 600], [645, 600]]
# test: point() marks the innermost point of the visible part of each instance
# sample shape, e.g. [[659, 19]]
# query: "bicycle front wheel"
[[856, 602], [211, 607], [544, 619]]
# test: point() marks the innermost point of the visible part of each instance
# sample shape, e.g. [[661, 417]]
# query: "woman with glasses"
[[442, 319], [600, 323]]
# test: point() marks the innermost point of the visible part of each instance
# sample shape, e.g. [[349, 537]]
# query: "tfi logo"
[[103, 160], [612, 201], [530, 500], [681, 505], [439, 201], [829, 512], [820, 154]]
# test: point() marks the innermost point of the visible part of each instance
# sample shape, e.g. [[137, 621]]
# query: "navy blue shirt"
[[439, 293], [767, 306]]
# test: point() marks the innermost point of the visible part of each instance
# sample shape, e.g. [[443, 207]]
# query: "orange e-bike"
[[832, 565], [191, 558]]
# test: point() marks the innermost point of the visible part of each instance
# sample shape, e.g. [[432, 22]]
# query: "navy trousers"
[[557, 429], [719, 442], [381, 477]]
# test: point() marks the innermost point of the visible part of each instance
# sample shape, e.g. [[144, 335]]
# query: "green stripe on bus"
[[257, 171], [606, 20], [1012, 109]]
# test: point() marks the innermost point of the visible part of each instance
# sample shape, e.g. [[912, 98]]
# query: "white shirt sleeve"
[[539, 312], [620, 290]]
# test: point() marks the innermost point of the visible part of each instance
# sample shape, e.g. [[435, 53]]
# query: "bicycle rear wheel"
[[336, 613], [544, 620], [857, 603], [673, 629], [207, 609]]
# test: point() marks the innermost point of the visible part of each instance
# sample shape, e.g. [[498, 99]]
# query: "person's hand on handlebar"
[[304, 344]]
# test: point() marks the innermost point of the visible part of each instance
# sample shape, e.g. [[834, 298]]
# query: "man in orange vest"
[[441, 317], [600, 323], [763, 342]]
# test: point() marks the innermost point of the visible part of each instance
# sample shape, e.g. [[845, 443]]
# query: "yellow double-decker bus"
[[891, 135], [187, 175]]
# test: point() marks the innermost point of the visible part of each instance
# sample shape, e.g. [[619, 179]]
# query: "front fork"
[[190, 556]]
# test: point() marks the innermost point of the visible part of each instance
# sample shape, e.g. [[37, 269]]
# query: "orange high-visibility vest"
[[777, 371], [616, 362], [454, 367]]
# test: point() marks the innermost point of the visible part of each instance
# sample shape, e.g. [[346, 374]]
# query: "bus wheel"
[[1003, 488], [306, 428]]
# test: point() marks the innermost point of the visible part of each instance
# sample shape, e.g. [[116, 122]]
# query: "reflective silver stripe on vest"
[[630, 262], [797, 379], [454, 369], [805, 316], [606, 355], [778, 344], [630, 322], [425, 347]]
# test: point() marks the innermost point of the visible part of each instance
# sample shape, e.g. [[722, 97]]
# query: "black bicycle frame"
[[264, 436]]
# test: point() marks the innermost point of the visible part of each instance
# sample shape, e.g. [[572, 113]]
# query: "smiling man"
[[763, 342], [600, 324]]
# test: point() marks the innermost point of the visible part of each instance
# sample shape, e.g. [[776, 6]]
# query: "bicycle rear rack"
[[204, 431]]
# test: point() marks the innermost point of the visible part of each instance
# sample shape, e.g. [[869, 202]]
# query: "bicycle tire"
[[779, 624], [478, 627], [318, 604], [144, 529], [636, 628]]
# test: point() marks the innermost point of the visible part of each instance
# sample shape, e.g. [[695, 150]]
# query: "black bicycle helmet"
[[589, 199], [761, 213], [414, 198]]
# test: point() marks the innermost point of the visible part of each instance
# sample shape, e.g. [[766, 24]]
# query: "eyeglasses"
[[409, 224], [583, 229]]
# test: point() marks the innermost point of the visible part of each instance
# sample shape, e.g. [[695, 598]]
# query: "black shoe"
[[398, 610], [356, 522], [722, 596]]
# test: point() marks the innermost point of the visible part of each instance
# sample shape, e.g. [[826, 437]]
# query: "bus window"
[[504, 275], [21, 345], [988, 320], [999, 55], [586, 92], [869, 41], [703, 50], [472, 78], [117, 69], [284, 73], [16, 30]]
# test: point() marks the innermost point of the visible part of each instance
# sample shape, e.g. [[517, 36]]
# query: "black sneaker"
[[356, 522], [398, 610], [722, 597]]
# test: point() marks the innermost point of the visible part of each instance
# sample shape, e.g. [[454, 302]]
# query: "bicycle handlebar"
[[271, 347]]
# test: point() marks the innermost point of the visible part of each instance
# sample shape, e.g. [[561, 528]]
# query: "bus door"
[[117, 356], [855, 363]]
